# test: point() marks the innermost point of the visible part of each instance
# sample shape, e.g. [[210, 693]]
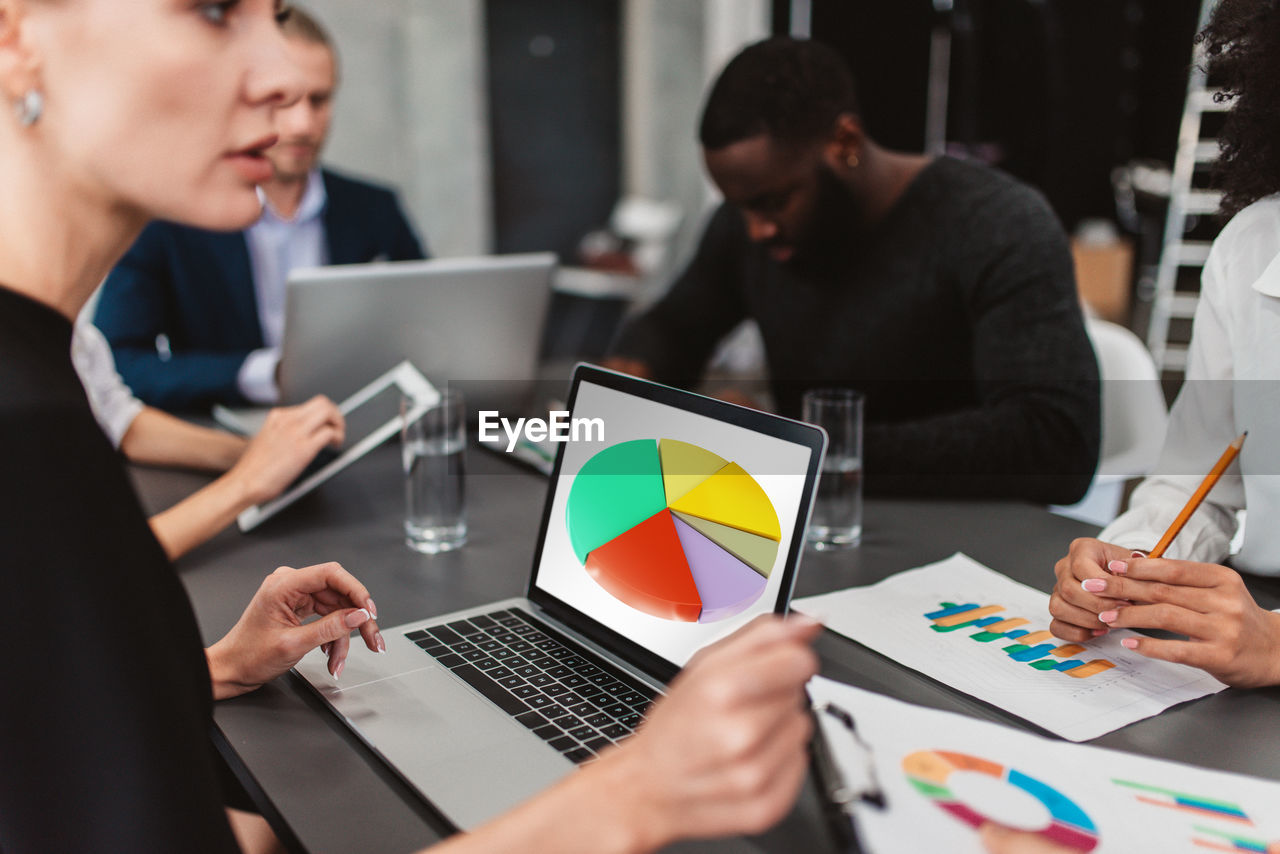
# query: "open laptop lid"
[[345, 324], [672, 519]]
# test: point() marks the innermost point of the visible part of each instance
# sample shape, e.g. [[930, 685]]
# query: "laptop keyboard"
[[575, 701]]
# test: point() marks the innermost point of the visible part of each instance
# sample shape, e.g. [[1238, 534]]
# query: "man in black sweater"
[[941, 289]]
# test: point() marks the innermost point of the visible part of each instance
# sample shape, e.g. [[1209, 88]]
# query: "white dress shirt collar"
[[311, 206], [1269, 282], [277, 246]]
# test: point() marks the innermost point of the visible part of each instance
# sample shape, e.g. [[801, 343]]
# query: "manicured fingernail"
[[371, 608], [1094, 585], [1119, 567], [357, 618], [1136, 553], [337, 671], [380, 643], [1129, 643], [1108, 616], [1097, 633]]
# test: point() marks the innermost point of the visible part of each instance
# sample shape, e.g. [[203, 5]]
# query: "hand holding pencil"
[[1103, 586], [1210, 480]]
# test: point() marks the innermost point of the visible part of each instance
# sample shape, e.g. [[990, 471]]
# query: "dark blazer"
[[196, 288]]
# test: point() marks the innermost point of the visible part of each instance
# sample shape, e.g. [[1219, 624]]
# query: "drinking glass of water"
[[433, 448], [836, 521]]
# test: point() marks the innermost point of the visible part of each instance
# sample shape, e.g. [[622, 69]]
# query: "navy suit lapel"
[[343, 233], [336, 237], [231, 252]]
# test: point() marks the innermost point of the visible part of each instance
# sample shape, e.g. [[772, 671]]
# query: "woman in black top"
[[122, 112]]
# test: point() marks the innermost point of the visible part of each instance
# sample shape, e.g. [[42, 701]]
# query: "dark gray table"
[[317, 783]]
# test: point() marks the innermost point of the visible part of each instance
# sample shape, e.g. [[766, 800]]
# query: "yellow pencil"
[[1201, 491]]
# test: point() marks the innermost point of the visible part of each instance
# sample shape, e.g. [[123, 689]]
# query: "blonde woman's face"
[[163, 106]]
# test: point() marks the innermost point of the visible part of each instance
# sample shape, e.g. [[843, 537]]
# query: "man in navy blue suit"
[[197, 317]]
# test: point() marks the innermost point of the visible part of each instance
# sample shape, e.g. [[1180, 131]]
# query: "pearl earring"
[[29, 108], [852, 161]]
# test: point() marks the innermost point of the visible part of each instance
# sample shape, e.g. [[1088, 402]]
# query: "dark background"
[[555, 116], [1056, 92]]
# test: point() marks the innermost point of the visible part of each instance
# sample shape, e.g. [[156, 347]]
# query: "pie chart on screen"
[[673, 530]]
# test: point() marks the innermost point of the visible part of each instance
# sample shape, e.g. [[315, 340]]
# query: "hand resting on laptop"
[[722, 753], [270, 637]]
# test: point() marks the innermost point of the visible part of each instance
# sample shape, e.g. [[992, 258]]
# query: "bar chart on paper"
[[1211, 823], [1038, 649], [987, 635], [673, 530]]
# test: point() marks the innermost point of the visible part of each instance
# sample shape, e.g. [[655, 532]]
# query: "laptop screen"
[[673, 519]]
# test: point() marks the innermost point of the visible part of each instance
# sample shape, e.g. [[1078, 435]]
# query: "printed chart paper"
[[943, 775], [987, 635]]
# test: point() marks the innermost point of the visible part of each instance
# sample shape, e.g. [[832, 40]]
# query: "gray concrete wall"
[[673, 49], [411, 110]]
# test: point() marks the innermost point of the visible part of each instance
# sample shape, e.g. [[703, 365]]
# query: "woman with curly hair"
[[1241, 41], [1233, 385]]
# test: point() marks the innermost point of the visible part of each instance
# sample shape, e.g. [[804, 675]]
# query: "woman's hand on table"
[[1074, 609], [724, 751], [1229, 635], [271, 637], [998, 839]]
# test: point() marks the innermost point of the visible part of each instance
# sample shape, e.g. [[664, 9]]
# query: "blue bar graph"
[[947, 612], [1037, 649], [1032, 653]]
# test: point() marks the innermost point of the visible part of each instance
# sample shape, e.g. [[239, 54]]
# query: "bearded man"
[[941, 289]]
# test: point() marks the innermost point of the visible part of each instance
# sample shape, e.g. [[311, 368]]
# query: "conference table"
[[323, 790]]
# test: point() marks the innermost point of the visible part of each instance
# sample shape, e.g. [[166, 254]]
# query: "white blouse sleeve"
[[1201, 425], [113, 404]]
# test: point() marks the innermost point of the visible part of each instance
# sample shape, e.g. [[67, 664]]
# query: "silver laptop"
[[670, 521], [346, 325]]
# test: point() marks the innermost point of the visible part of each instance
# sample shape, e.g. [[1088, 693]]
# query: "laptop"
[[347, 324], [672, 520]]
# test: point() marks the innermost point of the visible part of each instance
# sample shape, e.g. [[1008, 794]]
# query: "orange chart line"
[[1217, 816], [1006, 625], [1098, 665], [966, 616], [1067, 650]]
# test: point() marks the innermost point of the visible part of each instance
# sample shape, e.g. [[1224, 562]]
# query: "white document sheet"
[[987, 635], [942, 775]]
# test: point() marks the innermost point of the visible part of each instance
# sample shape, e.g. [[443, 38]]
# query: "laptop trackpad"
[[462, 753]]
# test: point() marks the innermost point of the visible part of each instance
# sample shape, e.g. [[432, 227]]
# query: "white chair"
[[1134, 417]]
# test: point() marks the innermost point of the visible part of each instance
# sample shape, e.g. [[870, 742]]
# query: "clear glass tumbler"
[[836, 521], [433, 449]]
